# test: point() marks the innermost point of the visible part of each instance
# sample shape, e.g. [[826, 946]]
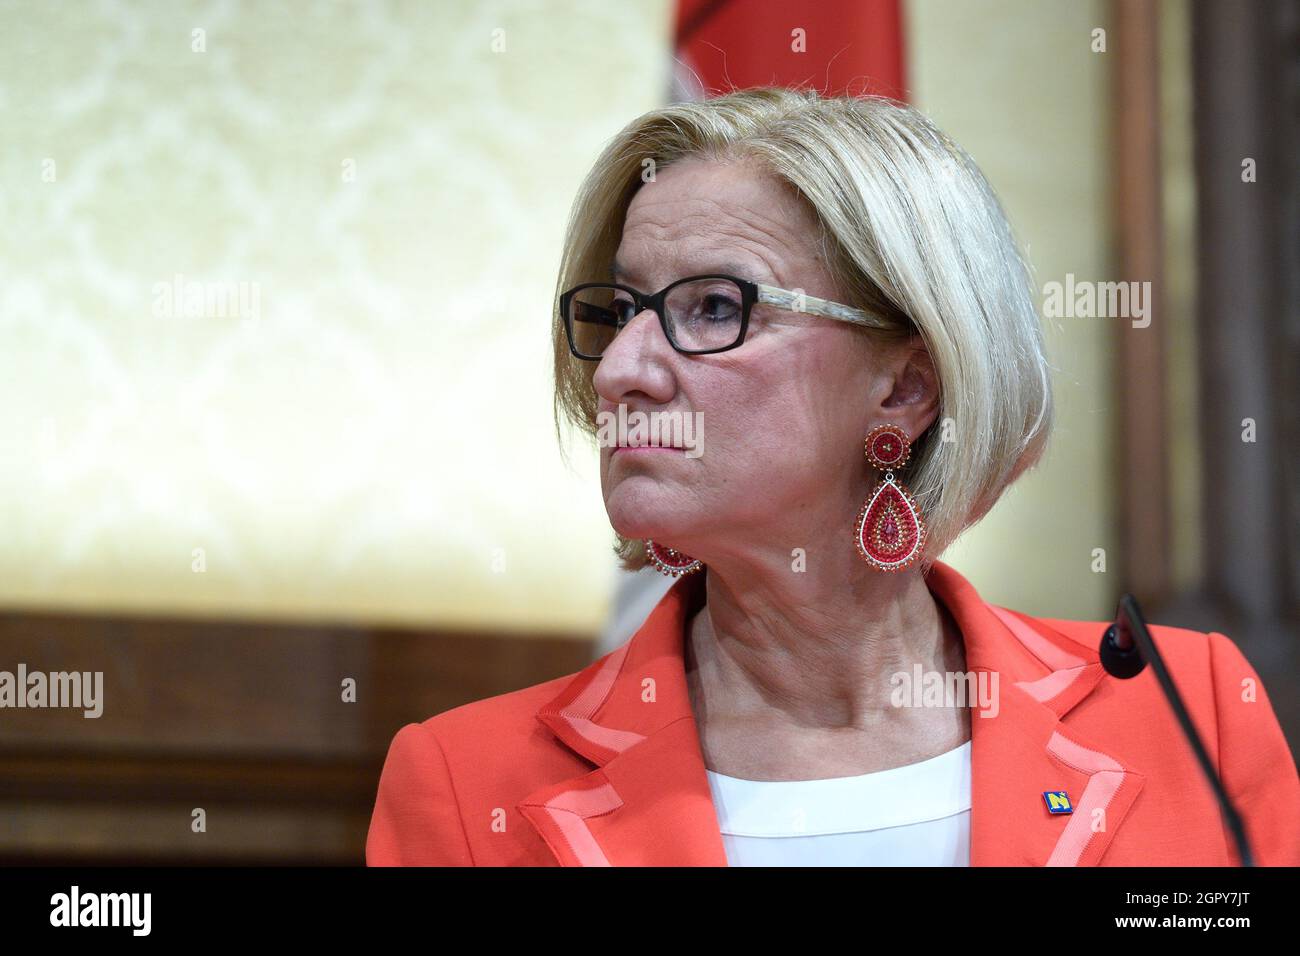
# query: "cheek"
[[785, 432], [763, 445], [768, 411]]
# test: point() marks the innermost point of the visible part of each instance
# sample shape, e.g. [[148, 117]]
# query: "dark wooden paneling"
[[1140, 353], [244, 720], [1246, 76]]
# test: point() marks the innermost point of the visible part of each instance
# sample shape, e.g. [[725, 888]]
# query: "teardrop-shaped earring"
[[890, 533], [670, 561]]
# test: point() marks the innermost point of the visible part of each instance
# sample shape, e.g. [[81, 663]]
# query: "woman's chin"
[[645, 519], [648, 527]]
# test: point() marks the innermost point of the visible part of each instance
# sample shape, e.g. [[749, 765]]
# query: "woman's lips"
[[642, 449]]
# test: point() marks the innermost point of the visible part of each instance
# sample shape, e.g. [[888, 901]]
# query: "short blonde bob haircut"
[[913, 234]]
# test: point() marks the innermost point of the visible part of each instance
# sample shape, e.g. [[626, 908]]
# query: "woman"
[[845, 357]]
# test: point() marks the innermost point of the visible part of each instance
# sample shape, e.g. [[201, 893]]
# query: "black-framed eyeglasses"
[[699, 314]]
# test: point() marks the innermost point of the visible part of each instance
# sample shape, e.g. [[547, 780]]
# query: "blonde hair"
[[913, 232]]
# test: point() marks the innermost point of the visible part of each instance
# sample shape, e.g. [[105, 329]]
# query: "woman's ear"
[[914, 398]]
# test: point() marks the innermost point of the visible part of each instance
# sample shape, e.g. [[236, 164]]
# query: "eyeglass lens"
[[703, 314]]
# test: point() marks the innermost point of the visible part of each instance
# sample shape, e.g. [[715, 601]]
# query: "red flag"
[[835, 46]]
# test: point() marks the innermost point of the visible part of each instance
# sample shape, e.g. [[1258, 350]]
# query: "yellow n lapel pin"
[[1058, 801]]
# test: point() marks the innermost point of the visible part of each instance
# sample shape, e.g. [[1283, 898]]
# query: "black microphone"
[[1126, 648]]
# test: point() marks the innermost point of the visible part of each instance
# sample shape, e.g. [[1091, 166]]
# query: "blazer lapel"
[[646, 801], [1022, 748]]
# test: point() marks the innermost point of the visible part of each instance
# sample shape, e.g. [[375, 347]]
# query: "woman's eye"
[[720, 308], [625, 309]]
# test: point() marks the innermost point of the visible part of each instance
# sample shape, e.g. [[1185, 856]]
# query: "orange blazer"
[[604, 767]]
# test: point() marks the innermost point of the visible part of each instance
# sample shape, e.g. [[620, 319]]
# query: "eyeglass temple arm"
[[596, 315], [801, 302]]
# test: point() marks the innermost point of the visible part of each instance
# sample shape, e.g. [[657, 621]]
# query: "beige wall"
[[1015, 82], [375, 442], [1178, 187]]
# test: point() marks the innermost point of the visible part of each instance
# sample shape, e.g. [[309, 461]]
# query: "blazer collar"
[[646, 801]]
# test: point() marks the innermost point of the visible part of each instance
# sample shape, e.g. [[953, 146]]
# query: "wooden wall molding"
[[243, 719]]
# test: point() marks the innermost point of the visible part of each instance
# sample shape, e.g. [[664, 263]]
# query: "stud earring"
[[670, 561], [890, 534]]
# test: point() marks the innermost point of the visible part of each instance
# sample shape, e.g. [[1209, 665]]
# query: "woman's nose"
[[645, 322], [636, 361]]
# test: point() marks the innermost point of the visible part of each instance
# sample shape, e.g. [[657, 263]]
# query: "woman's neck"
[[791, 673]]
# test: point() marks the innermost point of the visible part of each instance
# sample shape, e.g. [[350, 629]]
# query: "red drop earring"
[[890, 534], [670, 561]]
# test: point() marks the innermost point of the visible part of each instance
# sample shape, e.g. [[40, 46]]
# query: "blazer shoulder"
[[444, 776], [1178, 645], [500, 712], [1195, 658], [1212, 673], [475, 737]]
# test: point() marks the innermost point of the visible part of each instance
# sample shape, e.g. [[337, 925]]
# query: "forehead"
[[705, 216]]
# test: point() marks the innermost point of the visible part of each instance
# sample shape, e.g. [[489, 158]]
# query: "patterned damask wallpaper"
[[275, 292]]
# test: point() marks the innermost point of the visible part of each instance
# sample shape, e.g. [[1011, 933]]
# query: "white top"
[[915, 815]]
